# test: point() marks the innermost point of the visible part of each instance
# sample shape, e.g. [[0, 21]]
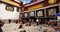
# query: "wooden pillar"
[[59, 7], [22, 10], [45, 14]]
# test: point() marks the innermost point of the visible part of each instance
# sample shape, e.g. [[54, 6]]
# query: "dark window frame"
[[27, 15], [8, 5], [18, 9], [38, 11], [57, 10], [30, 14]]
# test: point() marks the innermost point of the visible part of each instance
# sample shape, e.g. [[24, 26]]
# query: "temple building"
[[43, 10], [9, 10]]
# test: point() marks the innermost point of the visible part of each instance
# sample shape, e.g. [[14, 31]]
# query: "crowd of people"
[[52, 24], [41, 24]]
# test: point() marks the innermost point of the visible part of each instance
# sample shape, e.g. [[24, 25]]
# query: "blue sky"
[[27, 1]]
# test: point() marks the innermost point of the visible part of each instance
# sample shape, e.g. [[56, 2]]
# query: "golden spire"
[[24, 2]]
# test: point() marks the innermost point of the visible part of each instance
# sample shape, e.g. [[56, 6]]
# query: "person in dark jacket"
[[1, 24], [24, 30], [9, 20]]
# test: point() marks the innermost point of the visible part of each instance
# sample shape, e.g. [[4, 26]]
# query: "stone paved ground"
[[14, 28]]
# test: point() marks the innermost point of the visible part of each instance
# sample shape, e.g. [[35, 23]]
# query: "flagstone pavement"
[[12, 27]]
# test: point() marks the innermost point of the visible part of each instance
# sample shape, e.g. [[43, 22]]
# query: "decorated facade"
[[43, 10]]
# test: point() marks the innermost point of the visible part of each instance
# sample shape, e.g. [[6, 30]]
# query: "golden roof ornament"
[[52, 1]]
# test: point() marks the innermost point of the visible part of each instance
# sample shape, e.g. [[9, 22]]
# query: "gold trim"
[[52, 1]]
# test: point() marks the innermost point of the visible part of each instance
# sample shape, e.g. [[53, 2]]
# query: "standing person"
[[16, 21], [24, 30], [9, 21], [1, 24]]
